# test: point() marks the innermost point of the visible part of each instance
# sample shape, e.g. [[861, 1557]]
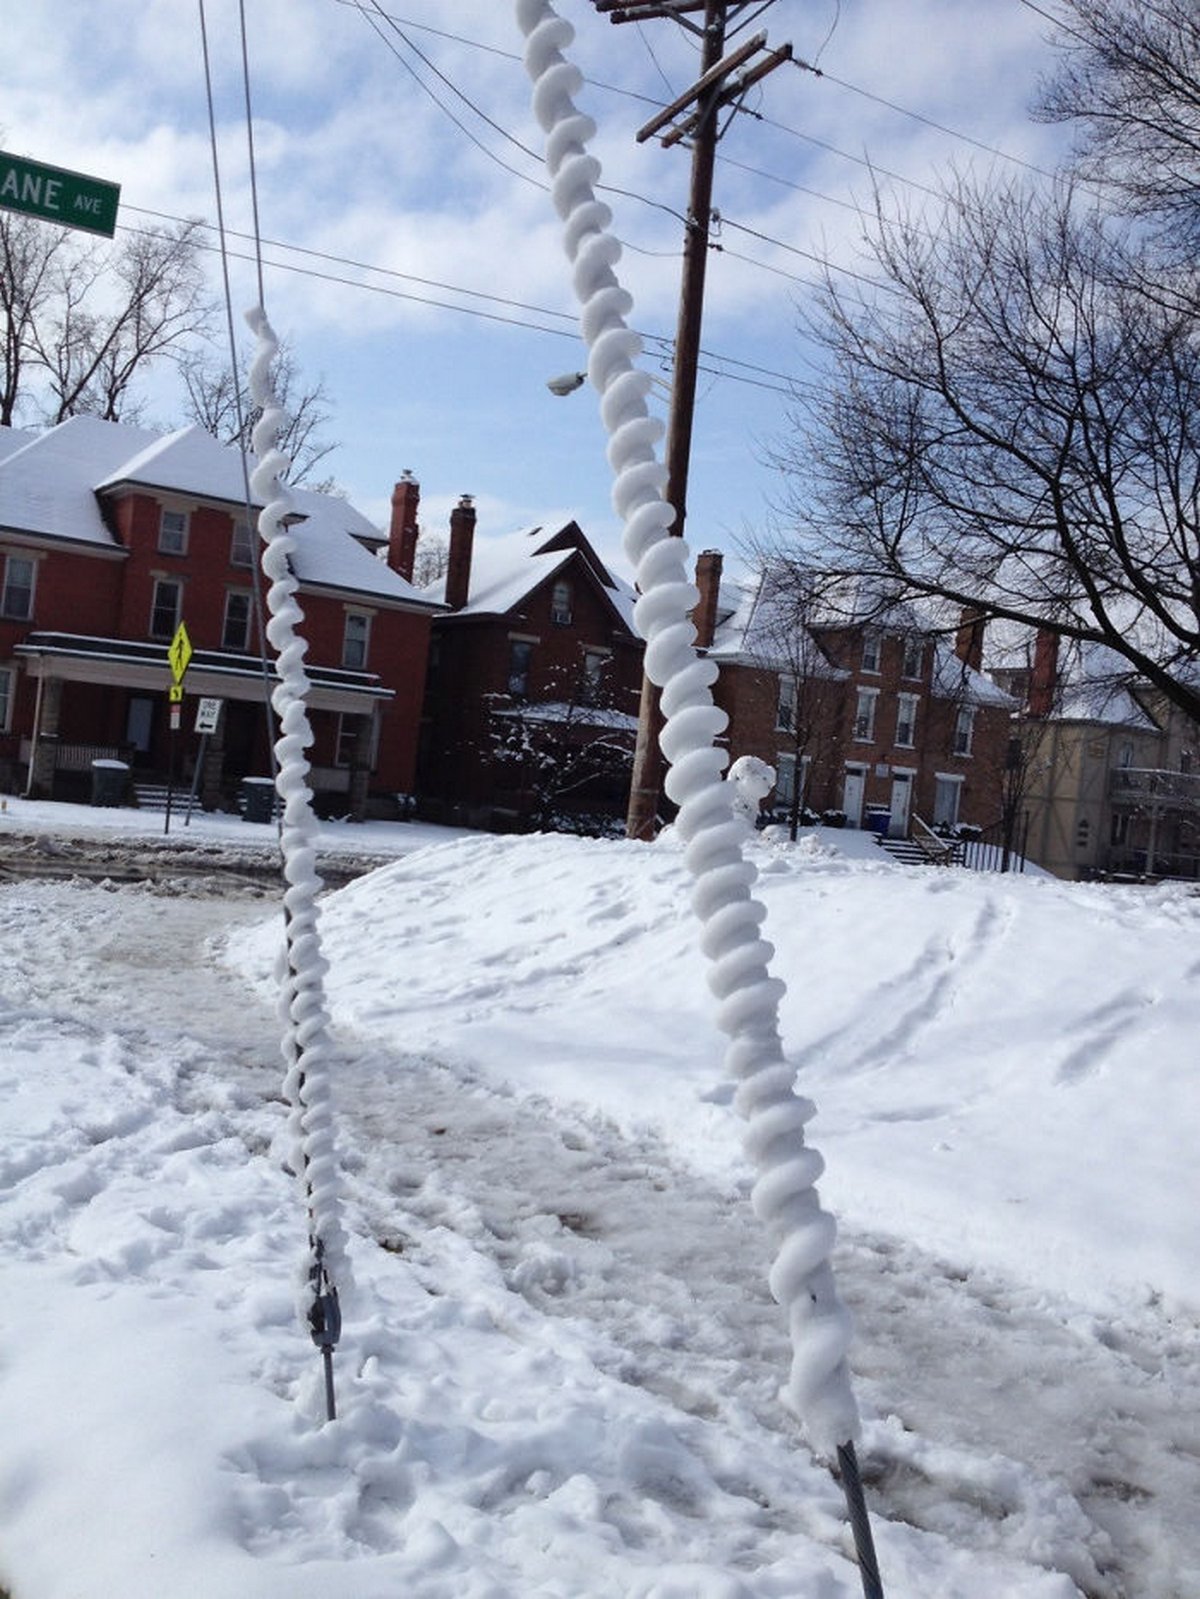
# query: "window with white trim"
[[964, 729], [173, 532], [785, 709], [870, 652], [8, 688], [16, 601], [864, 713], [591, 683], [355, 640], [906, 720], [241, 545], [560, 603], [914, 656], [165, 608], [347, 739], [520, 655], [235, 628]]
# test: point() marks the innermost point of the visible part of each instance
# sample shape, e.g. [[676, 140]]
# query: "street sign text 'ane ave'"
[[55, 195]]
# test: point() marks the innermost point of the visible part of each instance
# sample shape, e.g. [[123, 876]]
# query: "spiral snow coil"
[[306, 1046], [784, 1195]]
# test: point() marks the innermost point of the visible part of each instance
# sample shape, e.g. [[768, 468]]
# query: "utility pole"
[[694, 115]]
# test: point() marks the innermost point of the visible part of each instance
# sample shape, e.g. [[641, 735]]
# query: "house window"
[[560, 604], [235, 630], [172, 533], [520, 654], [914, 655], [947, 792], [165, 609], [591, 683], [241, 546], [864, 713], [785, 780], [8, 683], [964, 729], [17, 599], [785, 709], [870, 653], [347, 739], [355, 640], [906, 720]]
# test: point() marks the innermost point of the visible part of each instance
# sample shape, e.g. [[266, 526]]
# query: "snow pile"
[[561, 1374]]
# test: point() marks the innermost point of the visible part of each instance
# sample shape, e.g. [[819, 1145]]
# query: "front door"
[[139, 727], [852, 795], [901, 804]]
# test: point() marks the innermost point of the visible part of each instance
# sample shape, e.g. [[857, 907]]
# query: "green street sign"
[[55, 195]]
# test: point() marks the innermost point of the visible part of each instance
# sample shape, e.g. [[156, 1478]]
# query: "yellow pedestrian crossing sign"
[[179, 653]]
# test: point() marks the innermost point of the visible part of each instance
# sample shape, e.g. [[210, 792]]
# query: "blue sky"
[[437, 301]]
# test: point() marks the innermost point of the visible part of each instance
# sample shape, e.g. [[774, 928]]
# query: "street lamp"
[[566, 383]]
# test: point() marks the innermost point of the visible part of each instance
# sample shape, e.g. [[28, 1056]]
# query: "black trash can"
[[258, 799], [110, 782]]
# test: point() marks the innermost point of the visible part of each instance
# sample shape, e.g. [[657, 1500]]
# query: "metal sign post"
[[208, 714], [179, 653]]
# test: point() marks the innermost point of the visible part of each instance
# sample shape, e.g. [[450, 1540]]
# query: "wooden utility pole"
[[694, 116]]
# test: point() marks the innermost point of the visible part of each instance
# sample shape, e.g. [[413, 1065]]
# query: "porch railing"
[[1155, 784]]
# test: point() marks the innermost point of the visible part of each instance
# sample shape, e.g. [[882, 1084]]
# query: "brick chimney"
[[968, 641], [458, 566], [1043, 679], [708, 581], [402, 532]]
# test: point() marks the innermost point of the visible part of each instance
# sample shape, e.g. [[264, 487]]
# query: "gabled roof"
[[754, 623], [506, 570], [53, 487]]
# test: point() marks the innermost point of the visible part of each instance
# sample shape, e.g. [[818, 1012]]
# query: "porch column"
[[43, 761], [360, 768]]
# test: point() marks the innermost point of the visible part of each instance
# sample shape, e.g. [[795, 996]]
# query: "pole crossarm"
[[690, 96], [649, 10], [728, 95]]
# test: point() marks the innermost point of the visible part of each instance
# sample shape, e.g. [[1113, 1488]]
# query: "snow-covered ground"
[[560, 1367]]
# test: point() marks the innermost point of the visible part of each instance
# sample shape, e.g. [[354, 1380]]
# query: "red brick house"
[[874, 719], [534, 678], [110, 537]]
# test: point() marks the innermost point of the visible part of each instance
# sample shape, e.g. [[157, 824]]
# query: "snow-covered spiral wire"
[[306, 1046], [784, 1195]]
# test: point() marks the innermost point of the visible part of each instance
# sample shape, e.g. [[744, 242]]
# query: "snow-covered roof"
[[52, 487], [48, 487], [506, 569], [756, 624], [953, 679], [13, 439]]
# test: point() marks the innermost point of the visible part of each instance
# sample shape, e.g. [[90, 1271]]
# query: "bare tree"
[[1128, 77], [114, 314], [82, 321], [1010, 425], [225, 409], [432, 559], [566, 760], [29, 280]]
